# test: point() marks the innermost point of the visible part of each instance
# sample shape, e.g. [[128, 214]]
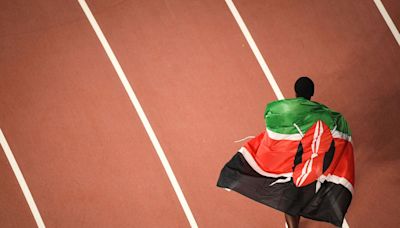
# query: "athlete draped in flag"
[[302, 164]]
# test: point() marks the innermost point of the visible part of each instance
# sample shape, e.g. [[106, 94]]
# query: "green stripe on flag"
[[281, 115]]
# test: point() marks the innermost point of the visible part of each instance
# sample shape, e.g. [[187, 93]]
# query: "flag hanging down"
[[302, 164]]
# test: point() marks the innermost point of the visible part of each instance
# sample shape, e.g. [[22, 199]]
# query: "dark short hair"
[[304, 87]]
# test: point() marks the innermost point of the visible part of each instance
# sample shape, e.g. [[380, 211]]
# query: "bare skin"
[[292, 221]]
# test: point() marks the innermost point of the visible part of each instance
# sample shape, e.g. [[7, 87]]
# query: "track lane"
[[78, 142], [15, 211], [393, 9], [353, 58], [201, 90]]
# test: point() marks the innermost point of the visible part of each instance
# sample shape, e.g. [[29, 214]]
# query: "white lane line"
[[256, 51], [388, 20], [260, 59], [139, 110], [21, 181]]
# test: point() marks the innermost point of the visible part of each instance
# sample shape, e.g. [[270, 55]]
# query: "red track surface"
[[85, 154], [392, 6]]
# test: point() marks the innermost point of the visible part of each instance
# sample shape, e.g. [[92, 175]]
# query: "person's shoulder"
[[299, 104], [289, 102], [326, 108], [282, 102], [336, 116], [283, 106], [277, 104], [316, 103]]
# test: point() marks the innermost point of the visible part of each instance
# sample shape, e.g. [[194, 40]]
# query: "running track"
[[85, 154]]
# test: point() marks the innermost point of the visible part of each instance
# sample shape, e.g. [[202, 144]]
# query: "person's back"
[[293, 166], [313, 123], [287, 121]]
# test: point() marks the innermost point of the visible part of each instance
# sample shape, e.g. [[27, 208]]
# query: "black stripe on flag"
[[329, 204]]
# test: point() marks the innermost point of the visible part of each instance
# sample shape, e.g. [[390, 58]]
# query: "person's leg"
[[292, 221]]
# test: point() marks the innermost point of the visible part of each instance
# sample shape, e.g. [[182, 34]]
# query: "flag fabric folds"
[[302, 164]]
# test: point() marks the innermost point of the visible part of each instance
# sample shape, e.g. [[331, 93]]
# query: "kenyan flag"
[[302, 164]]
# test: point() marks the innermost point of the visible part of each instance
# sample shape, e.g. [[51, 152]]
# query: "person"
[[304, 87], [302, 164]]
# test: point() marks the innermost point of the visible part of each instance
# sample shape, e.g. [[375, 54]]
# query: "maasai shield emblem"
[[314, 154]]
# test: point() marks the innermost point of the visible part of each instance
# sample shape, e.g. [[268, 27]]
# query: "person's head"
[[304, 87]]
